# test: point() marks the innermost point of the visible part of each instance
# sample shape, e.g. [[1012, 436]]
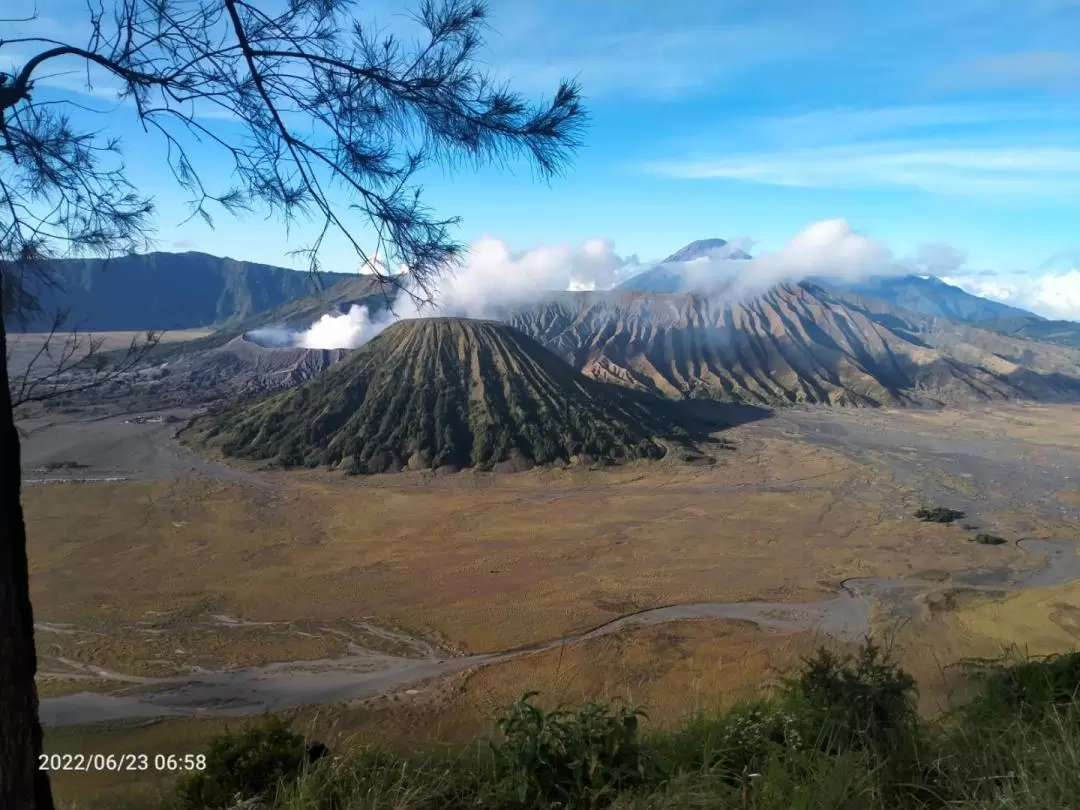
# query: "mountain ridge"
[[923, 295], [794, 343], [929, 295], [161, 291]]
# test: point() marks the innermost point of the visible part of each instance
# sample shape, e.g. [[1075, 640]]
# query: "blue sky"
[[927, 121]]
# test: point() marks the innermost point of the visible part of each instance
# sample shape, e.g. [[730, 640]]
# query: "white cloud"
[[937, 259], [835, 125], [833, 247], [493, 274], [947, 170], [1053, 295], [830, 248], [1060, 295]]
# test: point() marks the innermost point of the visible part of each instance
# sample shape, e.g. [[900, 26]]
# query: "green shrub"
[[728, 743], [856, 702], [1026, 690], [752, 729], [989, 539], [938, 514], [565, 758], [247, 764]]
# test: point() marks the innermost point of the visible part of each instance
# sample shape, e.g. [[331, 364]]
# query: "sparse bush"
[[989, 539], [856, 702], [1025, 690], [1016, 744], [754, 731], [247, 764], [938, 514], [729, 743], [565, 758]]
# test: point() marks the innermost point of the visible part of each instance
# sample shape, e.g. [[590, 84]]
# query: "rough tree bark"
[[23, 786]]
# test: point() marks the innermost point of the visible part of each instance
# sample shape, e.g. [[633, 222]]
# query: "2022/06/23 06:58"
[[122, 762]]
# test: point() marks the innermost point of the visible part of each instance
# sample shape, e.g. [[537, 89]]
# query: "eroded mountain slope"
[[794, 343]]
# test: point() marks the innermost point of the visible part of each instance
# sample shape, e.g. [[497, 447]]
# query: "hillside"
[[450, 393], [239, 368], [929, 296], [1032, 327], [795, 343], [166, 291]]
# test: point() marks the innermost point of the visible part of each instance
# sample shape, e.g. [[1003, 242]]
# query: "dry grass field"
[[146, 578], [481, 563]]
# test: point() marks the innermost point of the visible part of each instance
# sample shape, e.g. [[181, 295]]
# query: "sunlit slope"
[[793, 343]]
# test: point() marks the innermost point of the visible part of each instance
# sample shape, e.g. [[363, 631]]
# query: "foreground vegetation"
[[842, 732]]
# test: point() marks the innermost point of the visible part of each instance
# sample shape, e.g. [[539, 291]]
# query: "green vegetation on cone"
[[454, 393]]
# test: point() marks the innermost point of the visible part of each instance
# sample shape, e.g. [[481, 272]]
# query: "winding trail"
[[365, 673]]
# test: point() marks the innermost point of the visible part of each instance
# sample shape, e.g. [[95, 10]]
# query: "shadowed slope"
[[448, 392], [794, 343], [165, 291], [928, 296], [1062, 333]]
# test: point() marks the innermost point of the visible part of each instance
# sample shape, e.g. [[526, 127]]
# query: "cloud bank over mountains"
[[1052, 295], [493, 276]]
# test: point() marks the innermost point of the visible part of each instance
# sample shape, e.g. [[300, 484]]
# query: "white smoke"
[[273, 336], [491, 276], [342, 330]]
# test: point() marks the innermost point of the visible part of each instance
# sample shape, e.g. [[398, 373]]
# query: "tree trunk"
[[23, 785]]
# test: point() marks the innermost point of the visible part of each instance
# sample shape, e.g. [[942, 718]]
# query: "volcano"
[[452, 393], [796, 343]]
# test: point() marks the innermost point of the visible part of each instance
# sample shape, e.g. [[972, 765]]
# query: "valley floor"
[[169, 585]]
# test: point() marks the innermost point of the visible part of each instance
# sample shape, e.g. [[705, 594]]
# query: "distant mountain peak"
[[703, 248], [669, 277]]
